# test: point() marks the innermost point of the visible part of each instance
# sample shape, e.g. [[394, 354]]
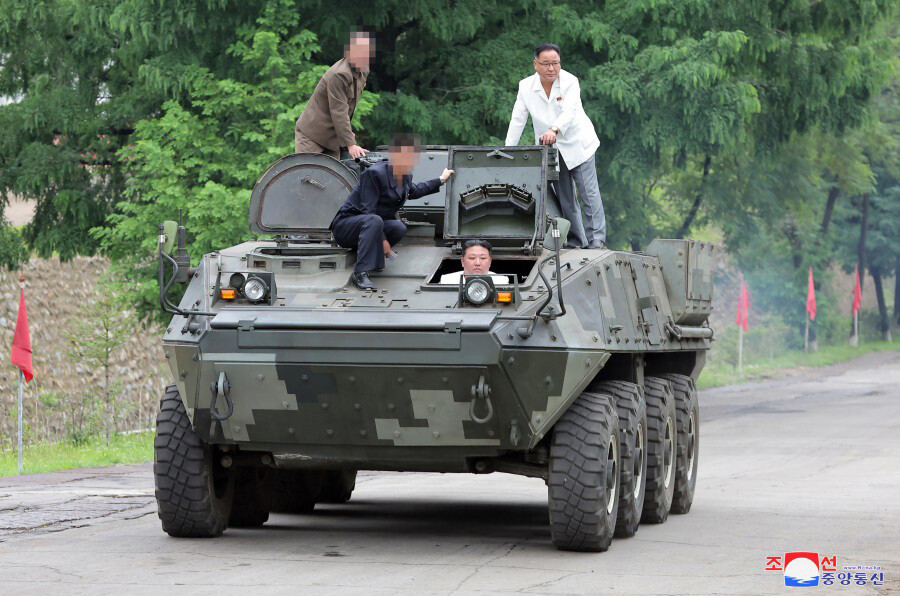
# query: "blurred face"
[[547, 65], [402, 159], [476, 261], [360, 52]]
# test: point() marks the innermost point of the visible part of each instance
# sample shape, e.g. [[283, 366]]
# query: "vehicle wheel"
[[296, 491], [252, 497], [632, 412], [687, 405], [337, 486], [193, 491], [662, 444], [584, 475]]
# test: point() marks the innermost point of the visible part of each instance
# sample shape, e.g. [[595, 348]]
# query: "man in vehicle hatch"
[[552, 97], [324, 126], [476, 260]]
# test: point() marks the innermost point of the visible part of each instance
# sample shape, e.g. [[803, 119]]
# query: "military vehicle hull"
[[317, 376]]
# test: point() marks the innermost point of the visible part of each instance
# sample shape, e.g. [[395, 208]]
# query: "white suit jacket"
[[577, 140], [453, 278]]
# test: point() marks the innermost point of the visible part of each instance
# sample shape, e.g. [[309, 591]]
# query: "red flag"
[[811, 298], [743, 309], [21, 346], [857, 294]]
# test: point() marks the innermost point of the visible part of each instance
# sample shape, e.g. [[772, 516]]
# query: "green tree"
[[203, 155], [104, 327]]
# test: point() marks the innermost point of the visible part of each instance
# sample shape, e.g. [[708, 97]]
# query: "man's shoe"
[[571, 245], [597, 245], [361, 280]]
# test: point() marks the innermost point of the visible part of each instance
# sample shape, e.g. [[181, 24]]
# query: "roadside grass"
[[94, 453], [719, 373]]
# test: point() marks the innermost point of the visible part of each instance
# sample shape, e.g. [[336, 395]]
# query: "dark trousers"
[[367, 233]]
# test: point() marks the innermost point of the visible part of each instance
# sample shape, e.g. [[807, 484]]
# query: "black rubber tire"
[[582, 489], [193, 491], [662, 445], [337, 486], [687, 404], [632, 412], [252, 497], [296, 491]]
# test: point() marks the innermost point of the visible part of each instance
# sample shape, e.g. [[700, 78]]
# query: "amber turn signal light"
[[504, 296], [227, 294]]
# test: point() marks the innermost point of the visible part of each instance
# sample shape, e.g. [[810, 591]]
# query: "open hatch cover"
[[497, 194], [300, 194]]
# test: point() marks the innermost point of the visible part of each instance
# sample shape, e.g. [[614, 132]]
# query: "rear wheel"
[[688, 414], [583, 479], [193, 491], [252, 497], [337, 486], [296, 491], [662, 442], [632, 412]]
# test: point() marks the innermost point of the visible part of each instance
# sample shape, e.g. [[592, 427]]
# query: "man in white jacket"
[[552, 97]]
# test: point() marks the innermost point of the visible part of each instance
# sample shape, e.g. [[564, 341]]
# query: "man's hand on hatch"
[[548, 138], [356, 151]]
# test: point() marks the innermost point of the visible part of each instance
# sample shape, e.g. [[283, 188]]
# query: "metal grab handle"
[[224, 387]]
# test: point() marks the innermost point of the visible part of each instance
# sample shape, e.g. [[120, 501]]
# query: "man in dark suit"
[[367, 221], [324, 125]]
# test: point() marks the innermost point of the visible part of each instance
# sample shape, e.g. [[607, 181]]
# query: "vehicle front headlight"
[[255, 289], [478, 291]]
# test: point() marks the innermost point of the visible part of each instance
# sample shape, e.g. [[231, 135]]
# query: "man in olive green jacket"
[[324, 126]]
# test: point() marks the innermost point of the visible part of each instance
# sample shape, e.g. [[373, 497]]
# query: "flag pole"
[[740, 348], [806, 336], [21, 384], [854, 341]]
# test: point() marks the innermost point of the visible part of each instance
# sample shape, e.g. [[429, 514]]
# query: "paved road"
[[806, 463]]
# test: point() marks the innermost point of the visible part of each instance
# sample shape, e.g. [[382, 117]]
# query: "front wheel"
[[193, 491], [583, 480]]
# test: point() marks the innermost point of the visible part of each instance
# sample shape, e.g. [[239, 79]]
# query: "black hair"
[[359, 34], [546, 47], [404, 139], [477, 242]]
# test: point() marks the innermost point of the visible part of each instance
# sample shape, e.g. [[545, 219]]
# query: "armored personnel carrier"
[[288, 380]]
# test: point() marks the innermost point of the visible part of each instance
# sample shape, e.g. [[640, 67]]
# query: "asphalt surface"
[[807, 463]]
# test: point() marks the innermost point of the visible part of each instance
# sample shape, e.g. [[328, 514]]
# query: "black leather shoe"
[[572, 245], [361, 280]]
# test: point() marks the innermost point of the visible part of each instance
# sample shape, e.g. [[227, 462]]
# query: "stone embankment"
[[66, 396]]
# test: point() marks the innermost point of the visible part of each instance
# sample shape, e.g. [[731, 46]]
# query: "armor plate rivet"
[[430, 408], [329, 432], [305, 377], [391, 407], [357, 407], [351, 379], [290, 431], [396, 434], [284, 404], [511, 361], [236, 428], [182, 373], [362, 433], [399, 379], [444, 379], [436, 434], [259, 377], [324, 406]]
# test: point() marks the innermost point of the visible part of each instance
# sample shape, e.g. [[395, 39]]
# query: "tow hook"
[[221, 387], [481, 391]]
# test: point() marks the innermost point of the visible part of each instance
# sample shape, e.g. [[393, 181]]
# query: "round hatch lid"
[[299, 194]]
